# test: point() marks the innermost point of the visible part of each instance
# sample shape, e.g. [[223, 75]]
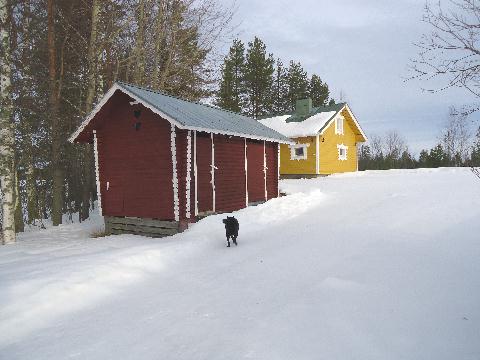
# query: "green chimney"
[[303, 107]]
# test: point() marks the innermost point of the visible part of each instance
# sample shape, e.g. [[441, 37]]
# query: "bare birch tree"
[[450, 53], [7, 132], [456, 137]]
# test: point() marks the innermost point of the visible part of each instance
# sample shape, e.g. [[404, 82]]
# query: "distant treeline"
[[456, 147]]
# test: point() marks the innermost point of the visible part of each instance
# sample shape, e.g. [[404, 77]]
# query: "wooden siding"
[[271, 151], [307, 166], [204, 162], [137, 226], [230, 191], [329, 162], [255, 175], [181, 146], [136, 164]]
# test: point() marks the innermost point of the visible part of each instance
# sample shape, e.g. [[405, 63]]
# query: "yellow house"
[[326, 140]]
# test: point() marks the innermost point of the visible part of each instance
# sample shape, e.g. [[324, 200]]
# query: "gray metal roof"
[[197, 116]]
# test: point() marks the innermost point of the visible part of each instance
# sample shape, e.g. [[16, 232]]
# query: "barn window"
[[342, 152], [298, 152], [339, 125]]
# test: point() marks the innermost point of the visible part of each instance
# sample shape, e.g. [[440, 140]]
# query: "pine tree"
[[407, 161], [231, 95], [280, 90], [364, 158], [185, 72], [258, 79], [423, 159], [438, 157], [318, 91], [297, 83]]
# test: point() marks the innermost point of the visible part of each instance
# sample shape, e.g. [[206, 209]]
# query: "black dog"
[[231, 229]]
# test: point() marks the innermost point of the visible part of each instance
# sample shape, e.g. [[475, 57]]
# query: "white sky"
[[361, 47]]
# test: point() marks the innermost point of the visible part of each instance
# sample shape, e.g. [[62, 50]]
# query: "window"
[[298, 152], [339, 125], [342, 152]]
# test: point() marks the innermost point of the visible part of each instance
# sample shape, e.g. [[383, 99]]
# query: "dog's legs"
[[228, 241], [234, 238]]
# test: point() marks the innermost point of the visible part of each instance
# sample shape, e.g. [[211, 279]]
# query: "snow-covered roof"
[[190, 115], [292, 129], [294, 126]]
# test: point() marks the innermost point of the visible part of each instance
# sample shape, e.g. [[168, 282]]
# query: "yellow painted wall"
[[329, 163], [307, 166]]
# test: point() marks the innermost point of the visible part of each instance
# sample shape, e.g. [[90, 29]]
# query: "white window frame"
[[294, 156], [343, 157], [339, 125]]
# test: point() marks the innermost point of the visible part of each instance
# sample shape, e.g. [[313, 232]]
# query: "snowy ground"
[[376, 265]]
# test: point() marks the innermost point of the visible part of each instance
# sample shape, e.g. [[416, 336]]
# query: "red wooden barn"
[[161, 161]]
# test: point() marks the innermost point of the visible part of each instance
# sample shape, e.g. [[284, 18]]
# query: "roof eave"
[[162, 114], [327, 124], [92, 114], [365, 138]]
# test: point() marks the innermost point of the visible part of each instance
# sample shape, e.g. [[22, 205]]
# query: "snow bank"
[[309, 127], [372, 265]]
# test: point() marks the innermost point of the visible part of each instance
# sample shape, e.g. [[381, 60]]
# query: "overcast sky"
[[360, 47]]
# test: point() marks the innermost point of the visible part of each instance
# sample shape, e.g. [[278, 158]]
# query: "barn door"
[[255, 171], [204, 172], [111, 170], [112, 196], [230, 186], [271, 159]]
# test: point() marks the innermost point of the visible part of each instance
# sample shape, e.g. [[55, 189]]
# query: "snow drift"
[[372, 265]]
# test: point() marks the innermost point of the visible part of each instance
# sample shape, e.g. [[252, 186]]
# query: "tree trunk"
[[19, 224], [139, 72], [7, 132], [32, 197], [159, 37], [54, 109], [91, 90], [87, 181]]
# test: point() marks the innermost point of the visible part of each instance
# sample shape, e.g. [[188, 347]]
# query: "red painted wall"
[[136, 163], [230, 191], [256, 180], [271, 151], [181, 145], [204, 161]]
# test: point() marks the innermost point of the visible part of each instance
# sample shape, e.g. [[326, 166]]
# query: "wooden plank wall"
[[272, 169], [136, 164], [230, 190], [204, 162], [140, 226], [255, 179]]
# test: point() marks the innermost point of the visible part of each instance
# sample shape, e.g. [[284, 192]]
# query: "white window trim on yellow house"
[[342, 152], [294, 156]]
